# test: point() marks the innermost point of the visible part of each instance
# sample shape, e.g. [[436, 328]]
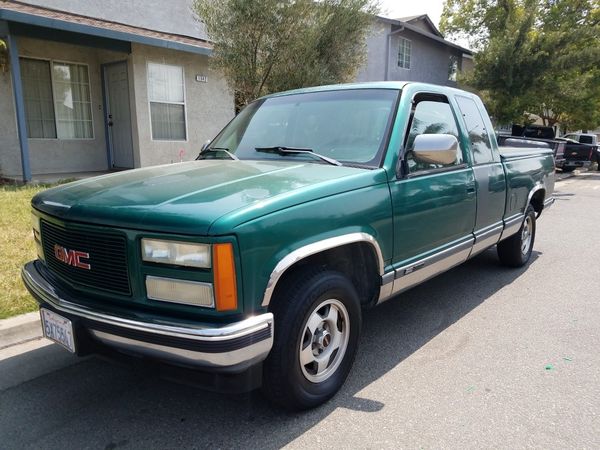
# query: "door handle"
[[471, 190]]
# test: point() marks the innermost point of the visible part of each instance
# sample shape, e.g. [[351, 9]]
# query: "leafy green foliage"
[[536, 56], [265, 46]]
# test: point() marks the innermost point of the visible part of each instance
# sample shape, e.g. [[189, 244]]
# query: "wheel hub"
[[324, 340], [321, 340], [526, 235]]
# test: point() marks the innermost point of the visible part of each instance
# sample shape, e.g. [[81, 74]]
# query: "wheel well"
[[537, 200], [358, 261]]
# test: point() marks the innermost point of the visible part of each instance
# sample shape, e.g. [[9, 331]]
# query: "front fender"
[[271, 244]]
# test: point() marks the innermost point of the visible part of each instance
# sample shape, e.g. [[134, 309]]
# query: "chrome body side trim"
[[240, 358], [549, 202], [314, 248], [512, 225], [387, 284], [414, 273], [534, 189], [486, 238]]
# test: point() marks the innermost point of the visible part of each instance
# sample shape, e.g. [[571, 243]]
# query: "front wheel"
[[317, 327], [516, 250]]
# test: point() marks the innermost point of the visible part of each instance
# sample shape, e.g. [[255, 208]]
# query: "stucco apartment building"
[[94, 85], [412, 49]]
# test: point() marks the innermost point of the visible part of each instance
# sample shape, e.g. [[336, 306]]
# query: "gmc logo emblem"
[[71, 257]]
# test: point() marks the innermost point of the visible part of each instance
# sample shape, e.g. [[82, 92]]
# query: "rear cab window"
[[479, 137]]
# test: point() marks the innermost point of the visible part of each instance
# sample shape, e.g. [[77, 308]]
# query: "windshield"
[[349, 126]]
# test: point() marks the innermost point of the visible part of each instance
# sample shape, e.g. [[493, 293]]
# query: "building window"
[[166, 94], [57, 99], [37, 95], [404, 48], [452, 68], [72, 101]]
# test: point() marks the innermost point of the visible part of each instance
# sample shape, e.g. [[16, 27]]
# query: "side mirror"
[[435, 148], [205, 146]]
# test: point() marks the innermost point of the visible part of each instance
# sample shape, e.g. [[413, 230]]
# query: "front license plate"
[[58, 329]]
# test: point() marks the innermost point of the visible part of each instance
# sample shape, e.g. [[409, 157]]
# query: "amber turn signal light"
[[224, 273]]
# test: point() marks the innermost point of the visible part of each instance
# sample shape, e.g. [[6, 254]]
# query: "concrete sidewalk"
[[20, 329]]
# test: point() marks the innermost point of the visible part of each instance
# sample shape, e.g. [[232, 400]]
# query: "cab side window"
[[430, 116], [478, 134]]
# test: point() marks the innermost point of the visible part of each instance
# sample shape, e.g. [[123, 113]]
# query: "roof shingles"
[[63, 16]]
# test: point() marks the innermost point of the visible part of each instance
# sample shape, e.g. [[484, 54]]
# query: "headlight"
[[37, 237], [176, 253]]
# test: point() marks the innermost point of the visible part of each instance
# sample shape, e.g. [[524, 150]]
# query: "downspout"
[[15, 71], [387, 52]]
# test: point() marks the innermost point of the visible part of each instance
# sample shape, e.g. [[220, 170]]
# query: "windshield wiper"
[[217, 150], [297, 150]]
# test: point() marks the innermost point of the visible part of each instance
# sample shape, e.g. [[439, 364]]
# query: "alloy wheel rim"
[[324, 340], [526, 235]]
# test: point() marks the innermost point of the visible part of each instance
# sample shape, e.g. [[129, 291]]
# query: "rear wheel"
[[317, 326], [516, 250]]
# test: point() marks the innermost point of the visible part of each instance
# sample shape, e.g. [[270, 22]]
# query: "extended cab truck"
[[308, 207]]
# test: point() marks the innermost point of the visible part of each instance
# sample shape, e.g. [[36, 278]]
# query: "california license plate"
[[58, 329]]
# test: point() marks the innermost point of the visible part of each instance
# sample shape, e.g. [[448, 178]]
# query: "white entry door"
[[118, 116]]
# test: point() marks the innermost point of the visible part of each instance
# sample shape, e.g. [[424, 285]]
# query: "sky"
[[403, 8], [395, 9]]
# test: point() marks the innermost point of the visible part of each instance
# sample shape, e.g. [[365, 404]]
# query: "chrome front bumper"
[[229, 348]]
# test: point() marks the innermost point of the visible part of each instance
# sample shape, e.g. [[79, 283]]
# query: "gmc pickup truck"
[[261, 255]]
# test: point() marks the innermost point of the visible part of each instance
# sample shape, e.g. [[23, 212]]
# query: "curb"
[[16, 330]]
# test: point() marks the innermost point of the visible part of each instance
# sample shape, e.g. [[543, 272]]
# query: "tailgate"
[[575, 152]]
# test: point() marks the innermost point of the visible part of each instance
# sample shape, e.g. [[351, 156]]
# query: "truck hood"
[[187, 198]]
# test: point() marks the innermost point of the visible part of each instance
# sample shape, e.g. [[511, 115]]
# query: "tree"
[[265, 46], [535, 56]]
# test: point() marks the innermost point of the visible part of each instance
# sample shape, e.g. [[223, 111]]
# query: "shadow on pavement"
[[100, 405]]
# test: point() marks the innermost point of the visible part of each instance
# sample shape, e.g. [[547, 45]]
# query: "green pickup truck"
[[259, 257]]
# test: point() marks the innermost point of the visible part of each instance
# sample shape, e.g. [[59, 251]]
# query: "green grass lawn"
[[16, 248]]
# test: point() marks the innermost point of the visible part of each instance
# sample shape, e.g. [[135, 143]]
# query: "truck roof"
[[398, 85]]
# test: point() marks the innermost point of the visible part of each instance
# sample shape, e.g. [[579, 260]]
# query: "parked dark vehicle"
[[577, 154], [570, 152], [587, 139]]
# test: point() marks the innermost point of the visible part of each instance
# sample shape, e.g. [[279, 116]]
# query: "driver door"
[[434, 206]]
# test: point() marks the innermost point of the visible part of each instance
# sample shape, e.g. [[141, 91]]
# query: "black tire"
[[285, 380], [514, 251], [568, 169]]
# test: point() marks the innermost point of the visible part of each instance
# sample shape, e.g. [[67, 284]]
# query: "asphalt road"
[[481, 356]]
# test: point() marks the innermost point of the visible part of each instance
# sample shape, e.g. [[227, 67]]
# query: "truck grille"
[[107, 258]]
